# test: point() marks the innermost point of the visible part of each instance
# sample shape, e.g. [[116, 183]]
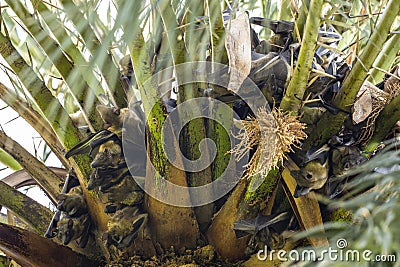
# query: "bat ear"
[[301, 191], [70, 223]]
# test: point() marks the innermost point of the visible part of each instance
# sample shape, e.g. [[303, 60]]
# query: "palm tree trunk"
[[181, 229]]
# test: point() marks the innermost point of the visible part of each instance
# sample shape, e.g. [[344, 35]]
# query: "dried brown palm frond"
[[379, 99], [272, 134], [392, 84]]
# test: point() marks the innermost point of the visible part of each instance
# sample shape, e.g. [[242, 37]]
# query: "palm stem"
[[30, 249], [37, 122], [384, 123], [45, 178], [385, 58], [9, 161], [31, 212], [297, 86]]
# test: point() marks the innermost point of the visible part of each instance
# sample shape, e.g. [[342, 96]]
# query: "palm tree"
[[63, 59]]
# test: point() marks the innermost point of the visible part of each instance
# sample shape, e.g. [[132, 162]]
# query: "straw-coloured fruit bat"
[[127, 192], [108, 155], [113, 179], [311, 176], [106, 176], [69, 229], [116, 119], [124, 227], [314, 169], [73, 202], [128, 124], [264, 230]]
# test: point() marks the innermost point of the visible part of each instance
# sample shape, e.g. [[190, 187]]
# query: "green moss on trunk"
[[31, 212]]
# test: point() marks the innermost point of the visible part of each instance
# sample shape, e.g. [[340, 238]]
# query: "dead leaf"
[[392, 84], [366, 101], [238, 47]]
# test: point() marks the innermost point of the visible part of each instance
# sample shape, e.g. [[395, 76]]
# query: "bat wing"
[[265, 221], [320, 153], [103, 137], [70, 182], [137, 226], [86, 146], [244, 227], [52, 229], [277, 26]]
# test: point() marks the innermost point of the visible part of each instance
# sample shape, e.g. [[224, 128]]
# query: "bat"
[[247, 227]]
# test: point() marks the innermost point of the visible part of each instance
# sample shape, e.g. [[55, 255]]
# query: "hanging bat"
[[127, 192], [109, 154], [124, 227], [70, 229], [311, 176], [131, 118], [102, 176], [114, 179], [73, 202]]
